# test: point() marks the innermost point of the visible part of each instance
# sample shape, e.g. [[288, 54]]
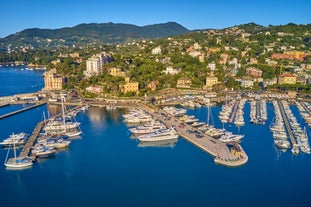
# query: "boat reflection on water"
[[164, 143]]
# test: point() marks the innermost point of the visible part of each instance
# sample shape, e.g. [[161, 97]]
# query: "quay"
[[21, 110], [232, 156]]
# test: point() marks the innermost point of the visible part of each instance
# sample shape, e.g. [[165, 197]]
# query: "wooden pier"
[[21, 110]]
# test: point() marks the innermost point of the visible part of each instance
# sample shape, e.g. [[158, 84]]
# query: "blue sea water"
[[105, 167], [17, 80]]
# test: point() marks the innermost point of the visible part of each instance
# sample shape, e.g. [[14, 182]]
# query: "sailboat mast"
[[208, 111], [14, 150], [63, 111]]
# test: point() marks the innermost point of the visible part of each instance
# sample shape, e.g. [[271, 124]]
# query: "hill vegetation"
[[89, 34]]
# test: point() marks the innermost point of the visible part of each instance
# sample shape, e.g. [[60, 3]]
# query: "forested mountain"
[[90, 34]]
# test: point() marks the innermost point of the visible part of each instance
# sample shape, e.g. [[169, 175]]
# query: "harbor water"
[[106, 167]]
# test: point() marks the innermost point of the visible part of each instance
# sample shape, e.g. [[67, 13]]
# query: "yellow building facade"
[[211, 80], [52, 81], [129, 86], [117, 72], [184, 83], [287, 79]]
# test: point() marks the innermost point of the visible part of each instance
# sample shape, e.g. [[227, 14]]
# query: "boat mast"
[[7, 154], [63, 112], [208, 111], [14, 151]]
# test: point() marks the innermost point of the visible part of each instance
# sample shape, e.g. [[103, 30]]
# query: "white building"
[[194, 53], [171, 71], [247, 83], [93, 67], [94, 89], [212, 66], [156, 51]]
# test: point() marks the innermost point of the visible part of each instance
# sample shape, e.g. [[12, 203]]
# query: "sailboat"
[[17, 163], [62, 126]]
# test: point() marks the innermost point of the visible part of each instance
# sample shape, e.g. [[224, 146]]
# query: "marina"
[[118, 164]]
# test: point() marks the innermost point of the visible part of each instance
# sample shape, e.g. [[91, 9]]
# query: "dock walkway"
[[234, 111], [35, 134], [289, 131], [219, 150], [21, 110]]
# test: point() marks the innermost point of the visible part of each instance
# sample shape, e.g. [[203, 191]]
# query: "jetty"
[[34, 136], [234, 111], [231, 156], [21, 110]]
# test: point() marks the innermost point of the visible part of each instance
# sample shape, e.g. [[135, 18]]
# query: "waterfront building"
[[129, 86], [287, 78], [247, 82], [210, 81], [53, 81], [269, 82], [184, 82]]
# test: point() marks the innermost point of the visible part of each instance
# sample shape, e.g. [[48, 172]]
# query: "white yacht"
[[42, 151], [15, 139], [147, 128], [15, 163], [63, 125], [283, 144], [162, 134], [229, 137]]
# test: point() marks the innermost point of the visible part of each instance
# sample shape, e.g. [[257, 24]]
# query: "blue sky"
[[17, 15]]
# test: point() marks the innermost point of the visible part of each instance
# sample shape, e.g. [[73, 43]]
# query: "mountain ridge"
[[91, 33]]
